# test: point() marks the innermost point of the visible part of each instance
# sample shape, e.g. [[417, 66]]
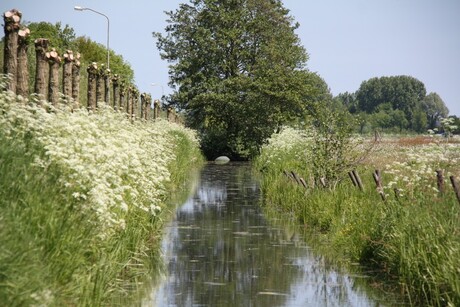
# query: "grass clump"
[[81, 201]]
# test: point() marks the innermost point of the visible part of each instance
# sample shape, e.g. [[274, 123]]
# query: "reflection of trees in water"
[[223, 252]]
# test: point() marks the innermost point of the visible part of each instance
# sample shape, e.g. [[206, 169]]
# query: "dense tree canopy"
[[394, 103], [239, 71], [435, 109], [403, 93]]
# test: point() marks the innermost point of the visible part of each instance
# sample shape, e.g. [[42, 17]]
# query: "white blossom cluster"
[[110, 163], [289, 143], [415, 169]]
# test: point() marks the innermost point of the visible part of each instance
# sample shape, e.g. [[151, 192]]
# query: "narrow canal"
[[221, 251]]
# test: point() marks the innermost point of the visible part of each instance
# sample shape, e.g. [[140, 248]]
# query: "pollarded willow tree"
[[238, 70]]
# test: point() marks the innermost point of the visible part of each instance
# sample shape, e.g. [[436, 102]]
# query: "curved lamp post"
[[79, 8]]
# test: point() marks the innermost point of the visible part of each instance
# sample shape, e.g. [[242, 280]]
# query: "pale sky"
[[348, 41]]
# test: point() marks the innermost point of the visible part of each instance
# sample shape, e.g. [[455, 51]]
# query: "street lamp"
[[79, 8]]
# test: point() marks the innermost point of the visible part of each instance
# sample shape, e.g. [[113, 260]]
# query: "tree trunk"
[[76, 81], [122, 97], [42, 68], [134, 106], [116, 92], [143, 103], [100, 86], [67, 74], [128, 101], [54, 62], [92, 84], [23, 69], [156, 109], [12, 21], [148, 106], [107, 86], [169, 114]]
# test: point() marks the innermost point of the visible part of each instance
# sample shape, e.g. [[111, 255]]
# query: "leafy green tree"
[[238, 70], [456, 124], [348, 100], [95, 52], [60, 38], [399, 120], [404, 92], [434, 108]]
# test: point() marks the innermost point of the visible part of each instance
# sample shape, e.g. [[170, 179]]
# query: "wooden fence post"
[[378, 183], [12, 21], [440, 181], [76, 80], [358, 180], [42, 68], [23, 69], [353, 179], [296, 178], [54, 63], [455, 186], [302, 181]]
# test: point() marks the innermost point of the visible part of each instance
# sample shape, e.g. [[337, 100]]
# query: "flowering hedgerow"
[[111, 164]]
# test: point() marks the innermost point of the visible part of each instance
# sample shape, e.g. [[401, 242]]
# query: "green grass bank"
[[82, 202], [411, 241]]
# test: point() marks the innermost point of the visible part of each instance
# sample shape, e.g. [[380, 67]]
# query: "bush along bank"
[[406, 227], [81, 199]]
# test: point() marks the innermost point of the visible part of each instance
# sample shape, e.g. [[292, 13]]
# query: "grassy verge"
[[81, 201], [411, 240]]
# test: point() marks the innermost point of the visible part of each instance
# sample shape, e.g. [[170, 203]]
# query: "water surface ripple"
[[221, 251]]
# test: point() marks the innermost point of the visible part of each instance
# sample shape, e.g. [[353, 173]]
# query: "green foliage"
[[456, 123], [394, 104], [348, 100], [94, 52], [60, 38], [332, 153], [434, 108], [239, 71], [404, 93], [323, 151]]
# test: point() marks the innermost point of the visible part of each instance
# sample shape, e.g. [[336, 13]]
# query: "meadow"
[[405, 230], [82, 199]]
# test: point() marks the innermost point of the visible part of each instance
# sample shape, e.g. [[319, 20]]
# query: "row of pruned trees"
[[57, 76]]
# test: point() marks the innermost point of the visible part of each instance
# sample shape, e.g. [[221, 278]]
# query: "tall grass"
[[81, 202], [412, 240]]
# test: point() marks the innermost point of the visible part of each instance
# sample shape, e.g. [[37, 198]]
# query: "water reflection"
[[221, 251]]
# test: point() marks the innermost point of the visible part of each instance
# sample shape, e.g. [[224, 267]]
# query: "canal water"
[[220, 250]]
